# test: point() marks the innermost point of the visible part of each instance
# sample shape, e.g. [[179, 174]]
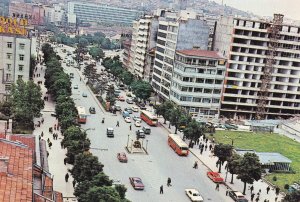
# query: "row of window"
[[21, 67], [21, 45], [199, 70], [8, 77], [195, 99], [9, 56], [198, 80]]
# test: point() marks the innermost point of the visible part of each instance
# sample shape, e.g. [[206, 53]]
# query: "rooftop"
[[200, 53]]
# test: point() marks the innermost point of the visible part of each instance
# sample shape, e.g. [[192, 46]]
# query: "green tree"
[[127, 77], [193, 130], [6, 108], [47, 51], [105, 193], [76, 147], [121, 189], [292, 197], [249, 169], [83, 42], [233, 165], [163, 109], [223, 152], [110, 96], [96, 53], [141, 89], [86, 166], [177, 117], [106, 44], [32, 66]]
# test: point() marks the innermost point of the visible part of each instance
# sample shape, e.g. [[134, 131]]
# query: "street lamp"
[[146, 146], [128, 140]]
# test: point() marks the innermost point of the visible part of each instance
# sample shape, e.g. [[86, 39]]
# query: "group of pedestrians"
[[161, 188], [277, 190]]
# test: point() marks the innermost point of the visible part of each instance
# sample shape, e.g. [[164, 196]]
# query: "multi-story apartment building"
[[246, 43], [176, 31], [14, 61], [197, 82], [88, 12], [55, 14], [143, 40], [33, 12]]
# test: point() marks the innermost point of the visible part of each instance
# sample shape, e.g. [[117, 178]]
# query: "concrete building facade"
[[245, 43], [197, 82], [33, 12]]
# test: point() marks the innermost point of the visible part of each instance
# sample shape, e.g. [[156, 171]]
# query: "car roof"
[[193, 190], [237, 193], [110, 129]]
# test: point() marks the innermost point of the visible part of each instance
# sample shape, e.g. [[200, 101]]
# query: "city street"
[[155, 168]]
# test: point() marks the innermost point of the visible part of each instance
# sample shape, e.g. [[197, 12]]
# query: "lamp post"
[[127, 141], [146, 146]]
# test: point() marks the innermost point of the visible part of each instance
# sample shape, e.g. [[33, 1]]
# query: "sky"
[[289, 8]]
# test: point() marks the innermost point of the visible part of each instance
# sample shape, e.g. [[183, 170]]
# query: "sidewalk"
[[56, 153], [210, 162]]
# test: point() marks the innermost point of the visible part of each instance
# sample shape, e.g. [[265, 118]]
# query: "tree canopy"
[[223, 152]]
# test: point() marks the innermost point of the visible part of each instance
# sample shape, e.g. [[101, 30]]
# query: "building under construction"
[[263, 70]]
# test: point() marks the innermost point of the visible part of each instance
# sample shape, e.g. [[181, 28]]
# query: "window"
[[21, 67], [8, 55], [21, 57], [8, 66], [217, 91], [219, 72], [20, 76], [9, 44], [218, 81], [198, 90], [7, 87], [207, 91], [22, 46], [199, 80], [8, 77]]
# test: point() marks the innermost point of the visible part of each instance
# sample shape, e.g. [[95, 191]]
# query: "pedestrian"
[[33, 75], [103, 120], [251, 189], [200, 145], [206, 140], [74, 183], [65, 161], [265, 200], [67, 177], [277, 190], [218, 187], [227, 190], [47, 153], [198, 140], [130, 127], [40, 137], [39, 123], [161, 189], [42, 134], [196, 165], [276, 198], [205, 147], [42, 120], [201, 151], [53, 136], [252, 196], [48, 140], [54, 126], [213, 140], [50, 145], [169, 182], [257, 199], [210, 147], [268, 189], [118, 124]]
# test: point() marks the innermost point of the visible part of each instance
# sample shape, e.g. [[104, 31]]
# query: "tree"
[[32, 66], [105, 193], [223, 152], [249, 169], [177, 117], [193, 130], [163, 109], [76, 147], [141, 89], [127, 77], [83, 42], [96, 53], [121, 189], [6, 108], [106, 44], [233, 165], [292, 197], [86, 166]]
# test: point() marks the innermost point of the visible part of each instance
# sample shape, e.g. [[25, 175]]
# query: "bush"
[[286, 186], [274, 178]]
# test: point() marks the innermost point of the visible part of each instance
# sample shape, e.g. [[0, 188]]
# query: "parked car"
[[118, 107], [71, 75], [129, 101], [146, 130], [75, 86], [137, 124], [110, 132], [128, 94], [84, 94], [142, 106], [237, 196], [215, 177], [194, 195], [121, 98], [125, 114], [129, 110], [127, 120], [92, 110], [140, 134], [122, 157], [136, 118], [136, 183], [135, 108]]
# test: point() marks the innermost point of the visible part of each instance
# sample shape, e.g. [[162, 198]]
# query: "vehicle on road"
[[231, 127], [121, 98], [71, 75], [215, 177], [135, 108], [137, 124], [141, 105], [125, 114], [136, 183], [146, 130], [118, 107], [127, 120], [92, 110], [178, 145], [122, 157], [129, 110], [140, 134], [149, 118], [75, 86], [110, 132], [136, 118], [84, 94], [128, 94], [81, 114], [237, 196], [194, 195], [129, 101]]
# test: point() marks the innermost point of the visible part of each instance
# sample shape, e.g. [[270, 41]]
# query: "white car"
[[194, 195], [127, 120], [135, 108], [137, 124]]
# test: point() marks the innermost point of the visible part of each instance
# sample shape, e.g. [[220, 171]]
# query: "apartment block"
[[197, 82], [31, 11], [14, 61], [246, 43], [176, 31]]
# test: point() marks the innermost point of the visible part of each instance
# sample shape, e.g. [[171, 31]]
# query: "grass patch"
[[266, 142]]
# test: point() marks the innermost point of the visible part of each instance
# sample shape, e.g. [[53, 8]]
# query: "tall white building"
[[14, 61], [246, 43], [55, 14]]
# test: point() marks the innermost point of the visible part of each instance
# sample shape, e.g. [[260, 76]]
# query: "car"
[[194, 195], [127, 120], [142, 106], [140, 134], [128, 94], [76, 87], [92, 110], [84, 94], [237, 196], [121, 98], [129, 101], [136, 118], [122, 157], [137, 124], [215, 177], [146, 130], [135, 108], [136, 183], [129, 110], [125, 114], [110, 132], [118, 107]]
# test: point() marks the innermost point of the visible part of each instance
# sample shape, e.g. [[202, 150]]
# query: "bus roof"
[[81, 110], [178, 140], [149, 114]]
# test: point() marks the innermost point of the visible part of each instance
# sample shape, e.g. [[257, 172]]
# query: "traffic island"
[[136, 146]]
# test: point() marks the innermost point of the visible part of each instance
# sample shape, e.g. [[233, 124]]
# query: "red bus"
[[178, 145], [149, 118], [81, 114]]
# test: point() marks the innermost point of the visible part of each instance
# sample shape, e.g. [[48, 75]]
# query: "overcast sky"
[[290, 8]]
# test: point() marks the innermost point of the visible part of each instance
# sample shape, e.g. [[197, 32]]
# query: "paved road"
[[154, 169]]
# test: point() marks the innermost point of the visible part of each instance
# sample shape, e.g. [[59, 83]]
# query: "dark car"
[[146, 130], [237, 196], [140, 134], [142, 106], [136, 183], [92, 110]]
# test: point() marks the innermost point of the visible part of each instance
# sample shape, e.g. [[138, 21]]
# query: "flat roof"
[[201, 53]]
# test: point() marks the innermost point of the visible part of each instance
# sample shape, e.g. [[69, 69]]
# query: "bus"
[[149, 118], [81, 114], [178, 145]]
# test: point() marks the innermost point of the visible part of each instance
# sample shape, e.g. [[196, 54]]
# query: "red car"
[[136, 183], [122, 157], [121, 98], [215, 177]]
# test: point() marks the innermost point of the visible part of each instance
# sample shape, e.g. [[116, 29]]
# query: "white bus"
[[81, 114]]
